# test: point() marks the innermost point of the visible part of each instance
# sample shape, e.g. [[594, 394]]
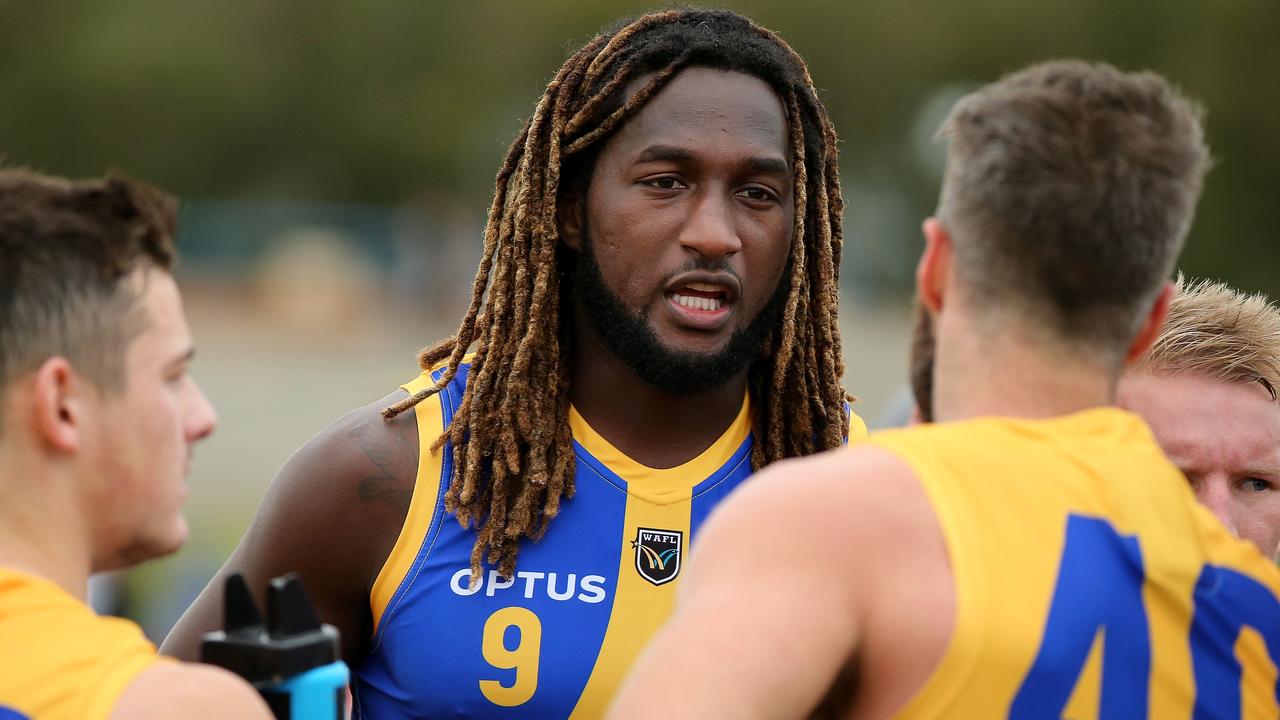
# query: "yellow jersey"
[[57, 658], [1089, 583]]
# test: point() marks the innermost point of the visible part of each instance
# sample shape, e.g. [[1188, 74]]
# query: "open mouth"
[[700, 296]]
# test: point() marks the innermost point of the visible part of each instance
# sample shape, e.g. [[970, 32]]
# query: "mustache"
[[718, 265]]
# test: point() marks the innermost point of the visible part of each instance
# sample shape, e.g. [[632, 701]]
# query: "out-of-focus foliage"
[[377, 101]]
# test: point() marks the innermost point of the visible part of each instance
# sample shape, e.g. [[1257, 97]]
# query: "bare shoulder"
[[331, 514], [361, 455], [339, 501], [859, 468], [853, 490], [842, 549], [796, 555], [829, 513], [169, 690]]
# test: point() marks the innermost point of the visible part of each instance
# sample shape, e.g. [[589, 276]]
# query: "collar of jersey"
[[1105, 422], [663, 485]]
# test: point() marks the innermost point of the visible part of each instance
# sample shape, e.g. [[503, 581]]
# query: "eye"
[[757, 193], [665, 182], [1255, 485]]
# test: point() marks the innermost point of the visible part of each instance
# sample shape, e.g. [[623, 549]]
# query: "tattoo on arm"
[[393, 463]]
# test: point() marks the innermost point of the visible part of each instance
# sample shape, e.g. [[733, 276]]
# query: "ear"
[[934, 266], [1151, 326], [569, 217], [60, 402]]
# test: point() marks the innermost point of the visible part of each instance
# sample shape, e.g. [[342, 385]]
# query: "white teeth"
[[697, 303]]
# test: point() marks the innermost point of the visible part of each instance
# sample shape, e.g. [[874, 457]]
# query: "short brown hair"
[[66, 251], [1069, 189], [1215, 330]]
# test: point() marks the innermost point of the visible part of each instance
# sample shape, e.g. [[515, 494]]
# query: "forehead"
[[710, 110], [1207, 424], [164, 325]]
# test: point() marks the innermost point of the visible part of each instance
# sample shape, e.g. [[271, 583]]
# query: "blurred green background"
[[335, 161]]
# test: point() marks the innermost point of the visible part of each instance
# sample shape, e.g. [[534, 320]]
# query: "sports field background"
[[335, 162]]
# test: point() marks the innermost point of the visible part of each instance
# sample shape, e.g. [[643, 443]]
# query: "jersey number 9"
[[523, 658]]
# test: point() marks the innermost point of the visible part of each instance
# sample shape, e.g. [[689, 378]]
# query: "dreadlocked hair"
[[511, 446]]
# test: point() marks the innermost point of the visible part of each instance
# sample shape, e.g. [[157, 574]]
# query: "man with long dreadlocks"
[[653, 319]]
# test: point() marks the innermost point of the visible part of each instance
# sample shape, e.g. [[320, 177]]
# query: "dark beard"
[[923, 348], [629, 337]]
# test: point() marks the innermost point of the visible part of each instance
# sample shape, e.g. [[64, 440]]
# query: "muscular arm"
[[332, 514], [776, 603]]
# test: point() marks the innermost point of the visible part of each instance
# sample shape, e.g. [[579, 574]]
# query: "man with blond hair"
[[1208, 390]]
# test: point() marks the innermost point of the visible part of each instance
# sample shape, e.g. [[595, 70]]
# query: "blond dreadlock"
[[511, 446]]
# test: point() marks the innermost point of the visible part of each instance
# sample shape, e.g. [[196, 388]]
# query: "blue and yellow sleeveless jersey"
[[1089, 582], [555, 640], [57, 658]]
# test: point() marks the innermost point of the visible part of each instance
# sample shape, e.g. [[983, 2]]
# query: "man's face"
[[688, 228], [147, 430], [1225, 437]]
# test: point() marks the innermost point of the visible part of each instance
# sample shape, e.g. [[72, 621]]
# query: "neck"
[[41, 533], [1014, 374], [653, 427]]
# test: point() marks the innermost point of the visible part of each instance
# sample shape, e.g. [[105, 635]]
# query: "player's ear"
[[1151, 325], [569, 211], [934, 266], [59, 404]]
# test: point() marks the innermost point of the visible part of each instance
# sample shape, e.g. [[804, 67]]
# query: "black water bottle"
[[292, 659]]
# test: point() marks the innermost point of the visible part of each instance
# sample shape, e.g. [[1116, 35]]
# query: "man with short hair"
[[1208, 390], [98, 417], [654, 318], [1032, 553]]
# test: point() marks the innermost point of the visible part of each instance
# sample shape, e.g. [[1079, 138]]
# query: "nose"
[[202, 418], [1214, 492], [710, 231]]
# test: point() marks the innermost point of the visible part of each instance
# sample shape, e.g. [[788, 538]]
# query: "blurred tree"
[[378, 100]]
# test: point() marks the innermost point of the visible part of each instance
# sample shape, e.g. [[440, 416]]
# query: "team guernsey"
[[1089, 582], [554, 640], [59, 660]]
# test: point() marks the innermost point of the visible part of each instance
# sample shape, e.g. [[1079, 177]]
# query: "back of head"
[[1069, 190], [66, 251]]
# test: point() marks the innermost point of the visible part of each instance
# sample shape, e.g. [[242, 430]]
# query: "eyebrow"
[[184, 358], [668, 153], [671, 153], [768, 165]]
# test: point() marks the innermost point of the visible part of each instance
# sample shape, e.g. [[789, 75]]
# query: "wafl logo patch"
[[657, 554]]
